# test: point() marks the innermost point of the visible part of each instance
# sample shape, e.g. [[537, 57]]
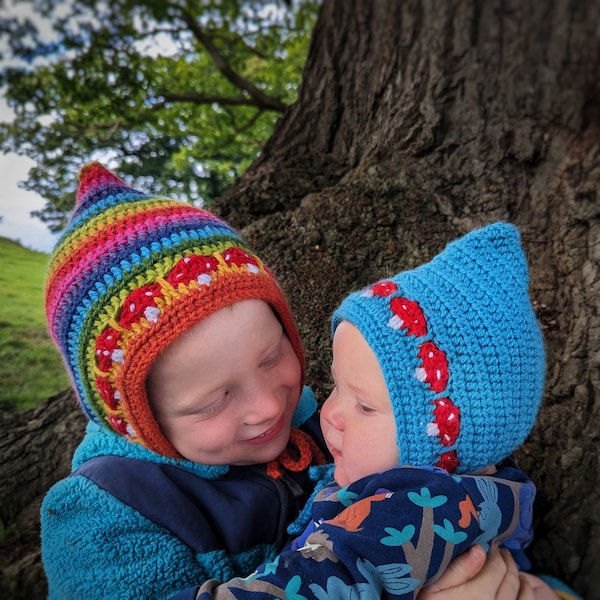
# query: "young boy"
[[144, 514], [185, 358], [439, 370]]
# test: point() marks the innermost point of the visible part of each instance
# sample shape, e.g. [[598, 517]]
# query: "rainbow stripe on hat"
[[129, 275]]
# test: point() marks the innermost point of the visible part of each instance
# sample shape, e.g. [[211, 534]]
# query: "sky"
[[16, 205]]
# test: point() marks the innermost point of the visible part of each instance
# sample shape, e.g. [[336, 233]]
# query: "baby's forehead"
[[353, 358]]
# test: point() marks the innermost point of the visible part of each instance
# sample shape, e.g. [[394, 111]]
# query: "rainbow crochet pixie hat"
[[130, 274], [460, 349]]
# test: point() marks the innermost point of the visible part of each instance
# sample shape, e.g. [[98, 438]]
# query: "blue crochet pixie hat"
[[460, 349]]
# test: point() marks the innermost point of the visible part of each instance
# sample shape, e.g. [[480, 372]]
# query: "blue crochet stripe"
[[171, 234]]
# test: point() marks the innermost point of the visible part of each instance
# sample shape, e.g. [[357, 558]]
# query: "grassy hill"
[[31, 369]]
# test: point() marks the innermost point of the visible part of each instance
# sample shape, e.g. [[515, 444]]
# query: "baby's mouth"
[[336, 454]]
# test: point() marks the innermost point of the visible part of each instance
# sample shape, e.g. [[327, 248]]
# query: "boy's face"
[[357, 418], [225, 392]]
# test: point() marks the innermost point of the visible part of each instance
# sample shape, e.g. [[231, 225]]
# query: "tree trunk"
[[36, 448], [416, 122]]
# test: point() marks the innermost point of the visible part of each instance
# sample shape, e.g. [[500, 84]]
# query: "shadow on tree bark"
[[418, 121], [36, 449]]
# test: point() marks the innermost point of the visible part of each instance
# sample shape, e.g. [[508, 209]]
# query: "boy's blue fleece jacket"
[[128, 523]]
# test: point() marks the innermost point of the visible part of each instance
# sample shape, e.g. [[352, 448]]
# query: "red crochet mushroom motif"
[[238, 256], [140, 303], [383, 288], [448, 461], [107, 348], [107, 392], [120, 425], [434, 371], [193, 268], [447, 420], [407, 315]]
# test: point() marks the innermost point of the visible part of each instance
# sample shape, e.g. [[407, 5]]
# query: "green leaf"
[[141, 87]]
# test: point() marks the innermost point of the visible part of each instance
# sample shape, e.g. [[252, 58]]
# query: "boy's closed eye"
[[272, 359], [212, 407]]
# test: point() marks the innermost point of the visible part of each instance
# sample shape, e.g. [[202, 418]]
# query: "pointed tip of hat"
[[500, 230], [491, 256], [92, 177], [501, 240]]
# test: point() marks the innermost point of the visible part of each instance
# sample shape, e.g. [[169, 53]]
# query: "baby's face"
[[357, 418], [225, 391]]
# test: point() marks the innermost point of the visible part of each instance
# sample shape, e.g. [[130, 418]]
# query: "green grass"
[[31, 369]]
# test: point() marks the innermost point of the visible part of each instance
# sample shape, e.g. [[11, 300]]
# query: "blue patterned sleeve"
[[387, 535]]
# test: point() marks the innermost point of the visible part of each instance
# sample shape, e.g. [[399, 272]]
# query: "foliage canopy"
[[178, 95]]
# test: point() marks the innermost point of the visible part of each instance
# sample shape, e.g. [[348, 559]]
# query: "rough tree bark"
[[417, 121], [36, 448]]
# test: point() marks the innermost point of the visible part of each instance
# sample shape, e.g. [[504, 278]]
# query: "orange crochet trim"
[[299, 454]]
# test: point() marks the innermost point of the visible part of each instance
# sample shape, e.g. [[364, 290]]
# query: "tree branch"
[[200, 99], [261, 99]]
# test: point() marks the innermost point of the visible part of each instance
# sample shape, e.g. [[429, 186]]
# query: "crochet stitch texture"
[[460, 349], [130, 274]]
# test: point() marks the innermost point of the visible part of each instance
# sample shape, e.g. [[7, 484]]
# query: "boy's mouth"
[[268, 435]]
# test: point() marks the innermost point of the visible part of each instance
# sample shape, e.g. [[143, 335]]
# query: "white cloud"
[[16, 204]]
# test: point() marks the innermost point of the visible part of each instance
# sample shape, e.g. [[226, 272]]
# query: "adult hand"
[[477, 576]]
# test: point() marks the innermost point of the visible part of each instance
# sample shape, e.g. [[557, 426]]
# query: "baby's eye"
[[365, 410]]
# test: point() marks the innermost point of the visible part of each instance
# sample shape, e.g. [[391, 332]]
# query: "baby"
[[438, 374]]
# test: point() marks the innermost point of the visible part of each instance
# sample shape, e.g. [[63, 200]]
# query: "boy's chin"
[[267, 454]]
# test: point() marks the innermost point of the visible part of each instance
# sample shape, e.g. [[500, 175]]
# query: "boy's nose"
[[262, 405]]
